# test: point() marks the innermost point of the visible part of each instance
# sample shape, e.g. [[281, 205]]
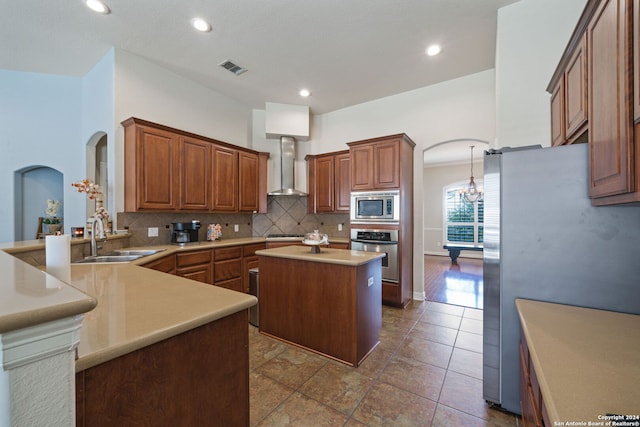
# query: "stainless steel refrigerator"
[[544, 241]]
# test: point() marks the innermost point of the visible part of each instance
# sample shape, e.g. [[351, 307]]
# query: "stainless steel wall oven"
[[383, 241]]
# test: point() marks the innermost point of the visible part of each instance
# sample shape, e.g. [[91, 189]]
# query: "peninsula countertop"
[[326, 255], [587, 361]]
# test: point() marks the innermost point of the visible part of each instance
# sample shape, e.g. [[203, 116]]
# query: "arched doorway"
[[97, 167], [445, 165], [34, 185]]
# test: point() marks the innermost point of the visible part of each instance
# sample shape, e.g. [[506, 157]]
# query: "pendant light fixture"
[[471, 193]]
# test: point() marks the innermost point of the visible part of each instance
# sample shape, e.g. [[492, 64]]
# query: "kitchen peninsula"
[[158, 349], [328, 302]]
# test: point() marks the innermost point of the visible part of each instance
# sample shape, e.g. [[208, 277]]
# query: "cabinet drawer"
[[193, 258], [227, 253], [227, 269], [250, 250]]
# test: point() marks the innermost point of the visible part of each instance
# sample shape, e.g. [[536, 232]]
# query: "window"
[[463, 220]]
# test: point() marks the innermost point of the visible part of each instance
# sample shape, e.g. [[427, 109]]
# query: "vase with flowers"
[[52, 224]]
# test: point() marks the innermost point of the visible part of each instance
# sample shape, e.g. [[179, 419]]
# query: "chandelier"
[[471, 192]]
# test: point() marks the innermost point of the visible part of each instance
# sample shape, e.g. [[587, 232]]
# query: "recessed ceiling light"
[[201, 25], [304, 93], [434, 50], [98, 6]]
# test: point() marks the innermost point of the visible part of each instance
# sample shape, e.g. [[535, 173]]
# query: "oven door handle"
[[375, 242]]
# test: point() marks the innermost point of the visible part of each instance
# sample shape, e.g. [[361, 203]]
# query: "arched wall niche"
[[97, 162], [34, 185]]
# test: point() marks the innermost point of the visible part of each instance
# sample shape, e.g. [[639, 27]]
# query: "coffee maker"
[[185, 232]]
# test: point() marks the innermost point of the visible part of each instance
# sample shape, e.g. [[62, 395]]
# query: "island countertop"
[[326, 255]]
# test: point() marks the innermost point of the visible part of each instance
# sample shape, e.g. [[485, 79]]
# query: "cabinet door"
[[342, 182], [195, 185], [166, 264], [557, 114], [362, 168], [324, 184], [610, 133], [156, 169], [225, 179], [575, 102], [248, 196], [386, 167]]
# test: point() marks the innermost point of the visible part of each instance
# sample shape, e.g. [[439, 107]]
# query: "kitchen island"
[[328, 302]]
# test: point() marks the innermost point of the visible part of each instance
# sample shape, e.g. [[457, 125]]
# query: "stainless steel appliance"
[[185, 232], [375, 207], [254, 289], [544, 241], [383, 241]]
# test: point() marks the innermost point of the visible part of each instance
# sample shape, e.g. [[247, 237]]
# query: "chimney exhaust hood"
[[287, 169]]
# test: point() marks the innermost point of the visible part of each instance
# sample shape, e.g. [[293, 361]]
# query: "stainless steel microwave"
[[375, 207]]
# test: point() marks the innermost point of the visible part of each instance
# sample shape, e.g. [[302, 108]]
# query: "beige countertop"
[[587, 361], [326, 255], [138, 307], [134, 306], [29, 296]]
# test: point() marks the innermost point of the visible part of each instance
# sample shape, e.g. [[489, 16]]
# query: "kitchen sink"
[[133, 252], [119, 255], [108, 258]]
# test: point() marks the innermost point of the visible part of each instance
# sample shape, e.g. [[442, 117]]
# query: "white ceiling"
[[345, 51]]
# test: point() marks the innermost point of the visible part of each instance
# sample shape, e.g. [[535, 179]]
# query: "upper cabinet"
[[376, 163], [170, 170], [328, 181], [600, 56], [151, 165]]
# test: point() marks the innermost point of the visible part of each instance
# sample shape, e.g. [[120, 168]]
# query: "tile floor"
[[427, 371]]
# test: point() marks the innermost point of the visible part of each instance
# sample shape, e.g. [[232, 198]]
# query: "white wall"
[[532, 35], [39, 125], [98, 101]]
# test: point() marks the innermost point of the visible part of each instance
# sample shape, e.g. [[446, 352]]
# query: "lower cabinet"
[[165, 264], [227, 268], [195, 265], [249, 261], [199, 377], [532, 406]]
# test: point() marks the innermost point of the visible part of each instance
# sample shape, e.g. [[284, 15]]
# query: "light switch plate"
[[370, 282], [339, 227], [236, 228], [152, 231]]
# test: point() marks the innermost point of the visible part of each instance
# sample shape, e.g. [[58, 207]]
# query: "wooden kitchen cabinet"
[[610, 127], [382, 164], [227, 270], [606, 40], [225, 179], [195, 180], [534, 413], [569, 99], [249, 261], [575, 93], [151, 168], [248, 182], [168, 169], [196, 265], [165, 264], [328, 177], [376, 163], [557, 114]]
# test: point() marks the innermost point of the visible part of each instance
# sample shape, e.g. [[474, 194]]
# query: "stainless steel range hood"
[[287, 169]]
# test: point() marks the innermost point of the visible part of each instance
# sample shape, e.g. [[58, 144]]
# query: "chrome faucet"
[[94, 237]]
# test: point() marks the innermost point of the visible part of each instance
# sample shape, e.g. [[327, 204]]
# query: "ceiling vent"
[[235, 69]]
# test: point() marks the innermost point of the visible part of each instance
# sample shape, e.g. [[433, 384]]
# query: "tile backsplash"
[[285, 214]]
